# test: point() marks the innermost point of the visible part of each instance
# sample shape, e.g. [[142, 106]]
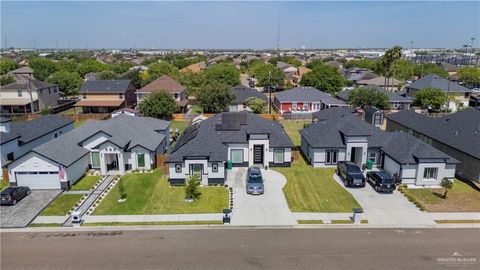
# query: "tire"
[[376, 188], [345, 183], [14, 202], [337, 172]]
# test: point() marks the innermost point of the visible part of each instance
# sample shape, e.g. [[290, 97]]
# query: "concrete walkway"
[[153, 218], [387, 208], [455, 216], [268, 209], [50, 219], [91, 199], [77, 191]]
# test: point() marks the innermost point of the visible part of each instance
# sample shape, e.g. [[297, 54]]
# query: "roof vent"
[[456, 133]]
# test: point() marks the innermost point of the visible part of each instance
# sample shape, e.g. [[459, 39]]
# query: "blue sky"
[[239, 24]]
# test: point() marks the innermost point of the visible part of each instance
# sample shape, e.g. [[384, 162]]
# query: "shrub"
[[191, 189], [121, 189]]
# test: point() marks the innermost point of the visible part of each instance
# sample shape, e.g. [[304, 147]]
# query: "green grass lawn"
[[311, 189], [181, 125], [61, 205], [150, 193], [196, 109], [86, 183], [78, 123], [292, 128], [461, 198]]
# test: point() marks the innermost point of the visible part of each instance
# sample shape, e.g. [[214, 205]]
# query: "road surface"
[[244, 249]]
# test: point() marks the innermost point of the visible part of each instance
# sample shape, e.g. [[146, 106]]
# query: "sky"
[[210, 25]]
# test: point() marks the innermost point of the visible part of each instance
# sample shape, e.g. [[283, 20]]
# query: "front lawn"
[[461, 198], [86, 183], [196, 109], [311, 189], [181, 125], [292, 128], [61, 205], [150, 194]]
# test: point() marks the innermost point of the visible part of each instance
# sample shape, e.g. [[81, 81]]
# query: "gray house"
[[338, 135], [456, 134], [397, 102], [242, 94], [242, 138]]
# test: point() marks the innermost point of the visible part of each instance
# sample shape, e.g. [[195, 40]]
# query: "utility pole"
[[278, 37], [269, 92]]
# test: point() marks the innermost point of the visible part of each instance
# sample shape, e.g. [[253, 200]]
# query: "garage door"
[[36, 180]]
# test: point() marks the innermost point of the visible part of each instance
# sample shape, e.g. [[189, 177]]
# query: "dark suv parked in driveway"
[[12, 195], [381, 181], [255, 181], [351, 174]]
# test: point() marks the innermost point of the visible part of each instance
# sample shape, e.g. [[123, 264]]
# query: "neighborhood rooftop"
[[123, 131], [165, 83], [307, 94], [392, 96], [105, 86], [242, 93], [209, 137], [435, 81]]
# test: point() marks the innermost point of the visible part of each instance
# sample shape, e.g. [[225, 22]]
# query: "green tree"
[[42, 67], [425, 69], [68, 82], [224, 73], [134, 77], [120, 68], [447, 185], [214, 97], [90, 65], [292, 60], [387, 60], [6, 79], [191, 189], [67, 65], [107, 75], [362, 63], [469, 75], [365, 97], [403, 70], [159, 104], [192, 81], [325, 78], [265, 72], [7, 65], [257, 105], [156, 70], [432, 98]]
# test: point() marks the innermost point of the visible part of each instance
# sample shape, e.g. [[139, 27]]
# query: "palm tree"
[[388, 59], [446, 184]]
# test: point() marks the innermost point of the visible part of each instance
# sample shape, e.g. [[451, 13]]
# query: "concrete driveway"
[[387, 208], [21, 214], [268, 209]]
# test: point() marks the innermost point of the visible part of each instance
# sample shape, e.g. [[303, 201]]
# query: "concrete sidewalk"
[[455, 216], [50, 219], [153, 218], [325, 217]]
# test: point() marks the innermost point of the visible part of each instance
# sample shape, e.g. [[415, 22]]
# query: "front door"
[[353, 153], [197, 169], [258, 154]]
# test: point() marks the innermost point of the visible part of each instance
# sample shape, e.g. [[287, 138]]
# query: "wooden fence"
[[189, 117], [161, 163], [74, 117]]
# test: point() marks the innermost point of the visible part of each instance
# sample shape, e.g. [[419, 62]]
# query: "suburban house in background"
[[22, 72], [305, 100], [397, 102], [110, 146], [457, 134], [195, 68], [458, 95], [242, 94], [380, 81], [19, 138], [241, 139], [28, 93], [165, 83], [338, 135], [106, 96]]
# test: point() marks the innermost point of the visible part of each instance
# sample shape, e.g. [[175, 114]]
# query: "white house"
[[338, 135], [241, 138], [19, 138], [111, 146]]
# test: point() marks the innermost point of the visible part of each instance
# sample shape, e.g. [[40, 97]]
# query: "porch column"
[[103, 164], [121, 164]]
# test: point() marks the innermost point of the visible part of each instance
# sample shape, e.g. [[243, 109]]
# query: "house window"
[[176, 95], [466, 95], [236, 155], [10, 156], [305, 106], [95, 159], [214, 167], [140, 96], [430, 173], [141, 160], [178, 168], [84, 96], [331, 157], [278, 155], [120, 96], [294, 106], [373, 156], [19, 93]]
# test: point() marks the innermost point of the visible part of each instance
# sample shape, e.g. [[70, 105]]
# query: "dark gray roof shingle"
[[242, 93], [105, 86], [308, 94], [435, 81], [33, 129], [392, 96]]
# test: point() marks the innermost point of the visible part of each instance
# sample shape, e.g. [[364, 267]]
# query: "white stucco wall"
[[443, 171], [31, 162], [75, 171], [207, 170], [133, 158], [7, 148]]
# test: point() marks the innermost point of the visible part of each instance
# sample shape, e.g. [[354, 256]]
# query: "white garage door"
[[36, 180]]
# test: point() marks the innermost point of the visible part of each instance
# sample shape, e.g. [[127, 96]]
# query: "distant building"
[[397, 102], [242, 94], [305, 100], [165, 83], [106, 96]]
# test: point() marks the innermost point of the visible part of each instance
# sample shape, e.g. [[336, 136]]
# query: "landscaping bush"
[[121, 189], [191, 189]]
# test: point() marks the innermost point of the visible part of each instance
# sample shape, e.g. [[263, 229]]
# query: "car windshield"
[[7, 191], [385, 178], [353, 168], [255, 178]]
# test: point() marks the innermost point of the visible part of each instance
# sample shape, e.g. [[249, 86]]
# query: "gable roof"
[[165, 82], [30, 130], [435, 81], [124, 132], [21, 83], [22, 70], [209, 138], [308, 94], [379, 80], [392, 96], [105, 86], [460, 130], [336, 123], [242, 93]]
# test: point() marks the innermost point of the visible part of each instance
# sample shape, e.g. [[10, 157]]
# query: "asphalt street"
[[243, 249]]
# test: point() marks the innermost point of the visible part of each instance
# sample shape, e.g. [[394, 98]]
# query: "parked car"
[[381, 181], [12, 195], [255, 181], [351, 174]]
